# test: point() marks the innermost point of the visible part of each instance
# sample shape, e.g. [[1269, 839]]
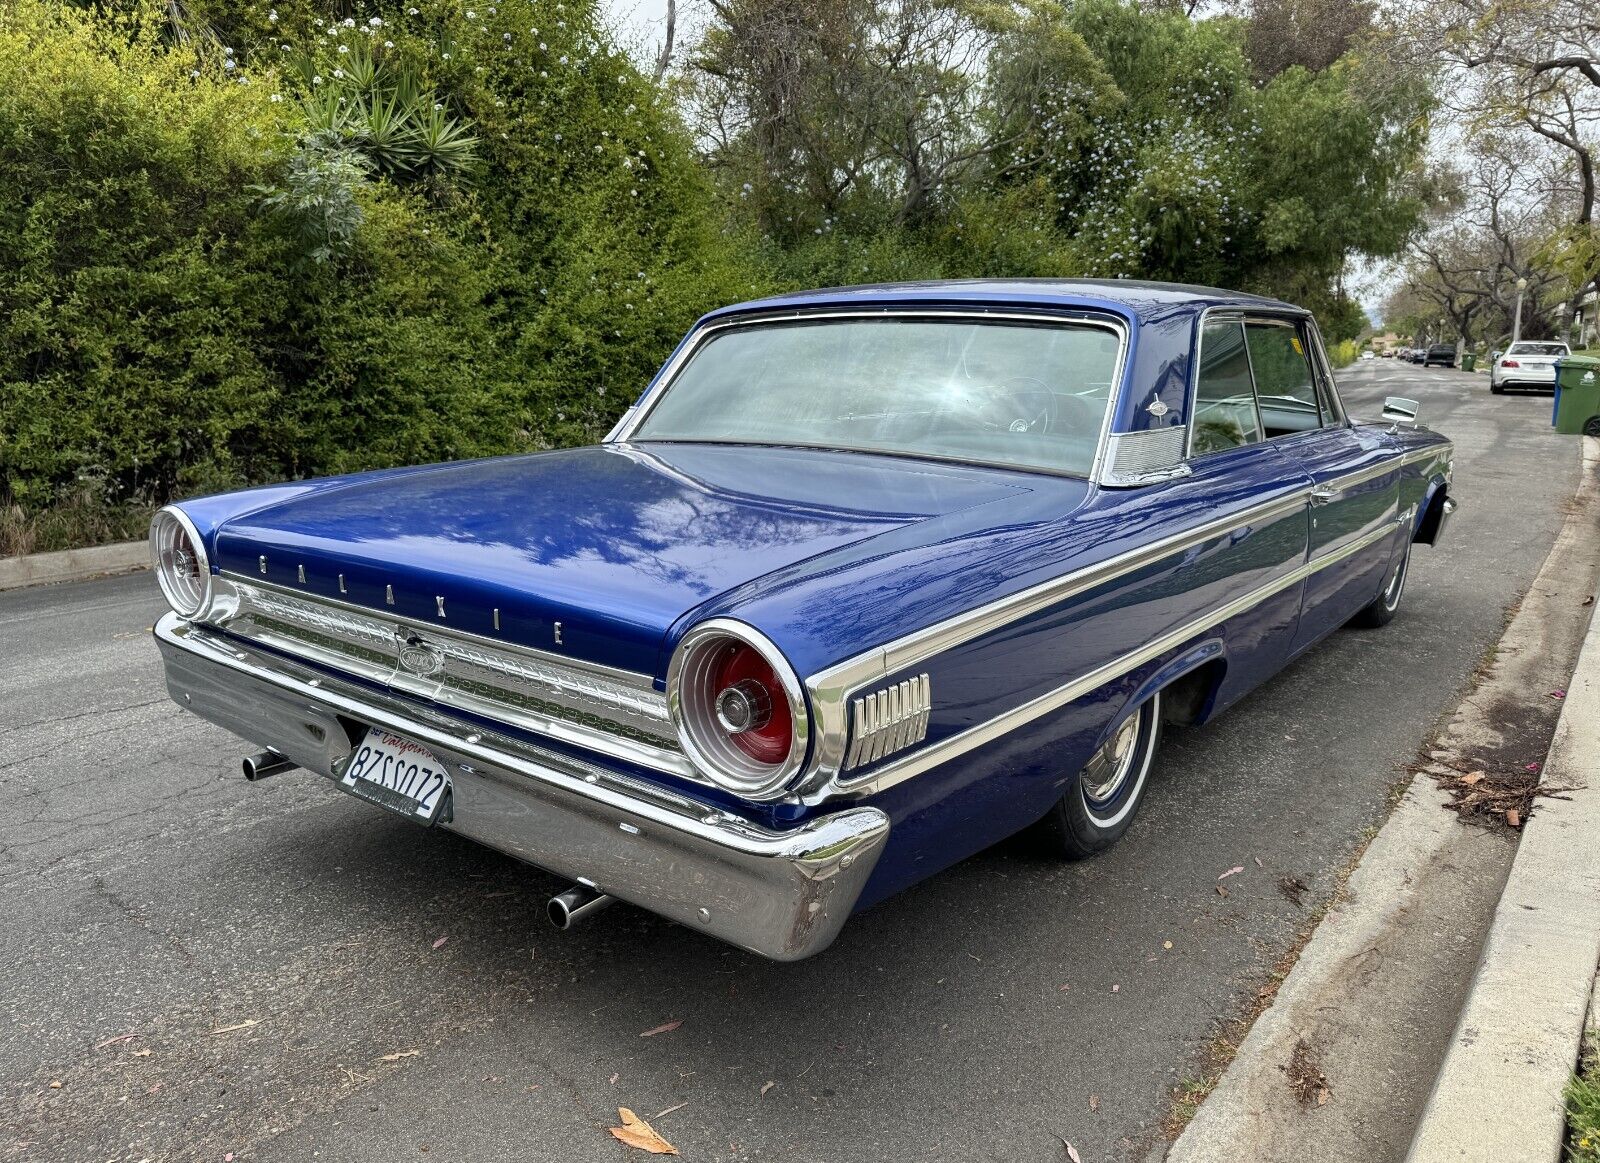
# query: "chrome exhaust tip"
[[265, 763], [581, 900]]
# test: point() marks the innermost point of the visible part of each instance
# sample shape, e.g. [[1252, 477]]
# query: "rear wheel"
[[1382, 610], [1497, 389], [1100, 805]]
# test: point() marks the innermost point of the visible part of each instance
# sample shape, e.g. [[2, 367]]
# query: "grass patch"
[[74, 523], [1583, 1105]]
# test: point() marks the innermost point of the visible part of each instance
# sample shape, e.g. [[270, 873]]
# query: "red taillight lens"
[[1509, 363], [750, 704]]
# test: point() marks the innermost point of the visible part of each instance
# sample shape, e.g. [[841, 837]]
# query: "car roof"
[[1131, 297]]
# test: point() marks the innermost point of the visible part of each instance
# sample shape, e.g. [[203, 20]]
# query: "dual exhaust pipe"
[[565, 909]]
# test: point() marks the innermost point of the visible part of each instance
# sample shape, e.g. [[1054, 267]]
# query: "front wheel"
[[1102, 801], [1382, 610]]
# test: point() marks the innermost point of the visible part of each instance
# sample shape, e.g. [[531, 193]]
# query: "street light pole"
[[1516, 324]]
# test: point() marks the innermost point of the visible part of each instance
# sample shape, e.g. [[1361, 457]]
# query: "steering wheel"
[[1021, 404]]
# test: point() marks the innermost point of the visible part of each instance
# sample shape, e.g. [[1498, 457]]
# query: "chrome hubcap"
[[1105, 774]]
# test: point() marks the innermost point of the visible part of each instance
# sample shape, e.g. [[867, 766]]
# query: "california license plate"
[[397, 774]]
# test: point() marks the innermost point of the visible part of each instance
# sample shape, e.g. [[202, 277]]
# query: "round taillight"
[[738, 707], [178, 554]]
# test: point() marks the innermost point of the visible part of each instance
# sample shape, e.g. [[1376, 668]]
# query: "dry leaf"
[[664, 1028], [635, 1132], [114, 1041], [1166, 944], [613, 1079], [1471, 778], [1558, 694], [244, 1025], [1257, 859], [1072, 1152], [440, 942], [55, 1085], [1237, 868], [1514, 817], [1222, 892], [1323, 1095], [399, 1054], [142, 1053], [1094, 1102], [1116, 989], [766, 1088], [670, 1109]]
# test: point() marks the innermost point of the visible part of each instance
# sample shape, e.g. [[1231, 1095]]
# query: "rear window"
[[1537, 349]]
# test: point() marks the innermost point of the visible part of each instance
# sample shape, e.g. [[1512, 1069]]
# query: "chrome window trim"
[[1283, 316], [668, 760], [954, 746], [1043, 316]]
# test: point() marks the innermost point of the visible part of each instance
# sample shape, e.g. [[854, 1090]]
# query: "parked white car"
[[1529, 364]]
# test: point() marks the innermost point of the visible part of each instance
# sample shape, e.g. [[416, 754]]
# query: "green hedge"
[[164, 330]]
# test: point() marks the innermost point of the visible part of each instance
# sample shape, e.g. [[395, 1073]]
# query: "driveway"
[[196, 967]]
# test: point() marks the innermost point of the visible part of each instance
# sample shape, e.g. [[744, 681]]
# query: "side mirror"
[[1398, 410]]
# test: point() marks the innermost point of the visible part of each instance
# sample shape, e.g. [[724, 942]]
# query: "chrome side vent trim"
[[889, 720], [1141, 458]]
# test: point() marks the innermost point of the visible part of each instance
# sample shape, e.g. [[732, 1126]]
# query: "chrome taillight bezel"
[[692, 704], [189, 597]]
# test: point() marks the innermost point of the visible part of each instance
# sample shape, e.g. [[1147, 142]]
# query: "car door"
[[1233, 461], [1355, 476]]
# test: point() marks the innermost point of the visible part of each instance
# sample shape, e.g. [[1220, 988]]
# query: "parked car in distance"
[[1527, 364], [867, 580], [1368, 355], [1440, 355], [1388, 355]]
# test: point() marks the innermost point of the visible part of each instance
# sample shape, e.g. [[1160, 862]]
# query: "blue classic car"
[[867, 580]]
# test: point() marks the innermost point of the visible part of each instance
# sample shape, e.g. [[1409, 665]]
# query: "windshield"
[[1021, 394], [1538, 349]]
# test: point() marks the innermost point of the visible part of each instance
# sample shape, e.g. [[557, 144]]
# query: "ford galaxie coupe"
[[865, 581]]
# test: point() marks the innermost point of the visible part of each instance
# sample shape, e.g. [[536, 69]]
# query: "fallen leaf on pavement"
[[440, 941], [1166, 944], [244, 1025], [1558, 694], [114, 1041], [142, 1053], [1094, 1102], [1116, 989], [1323, 1095], [1235, 869], [1589, 601], [766, 1088], [1514, 817], [1257, 859], [399, 1054], [1072, 1152], [1222, 892], [1531, 767], [664, 1028], [1472, 777], [635, 1132], [55, 1085], [670, 1109], [613, 1079]]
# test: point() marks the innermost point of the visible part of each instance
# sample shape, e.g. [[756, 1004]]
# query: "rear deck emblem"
[[1157, 409], [420, 658]]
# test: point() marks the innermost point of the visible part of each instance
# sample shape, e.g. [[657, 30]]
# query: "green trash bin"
[[1469, 361], [1577, 407]]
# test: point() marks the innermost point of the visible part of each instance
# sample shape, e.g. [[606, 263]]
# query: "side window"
[[1284, 381], [1224, 400]]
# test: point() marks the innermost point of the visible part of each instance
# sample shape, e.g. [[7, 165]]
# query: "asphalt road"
[[193, 966]]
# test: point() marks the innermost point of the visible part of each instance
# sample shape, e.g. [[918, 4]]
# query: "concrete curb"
[[1420, 855], [37, 569], [1499, 1093]]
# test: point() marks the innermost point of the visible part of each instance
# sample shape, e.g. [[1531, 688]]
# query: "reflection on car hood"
[[617, 542]]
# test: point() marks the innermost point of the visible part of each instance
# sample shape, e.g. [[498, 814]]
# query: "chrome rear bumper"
[[783, 894]]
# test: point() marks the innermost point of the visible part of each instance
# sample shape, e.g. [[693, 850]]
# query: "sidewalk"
[[1344, 1063], [36, 569]]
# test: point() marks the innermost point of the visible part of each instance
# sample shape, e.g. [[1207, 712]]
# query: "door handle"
[[1322, 494]]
